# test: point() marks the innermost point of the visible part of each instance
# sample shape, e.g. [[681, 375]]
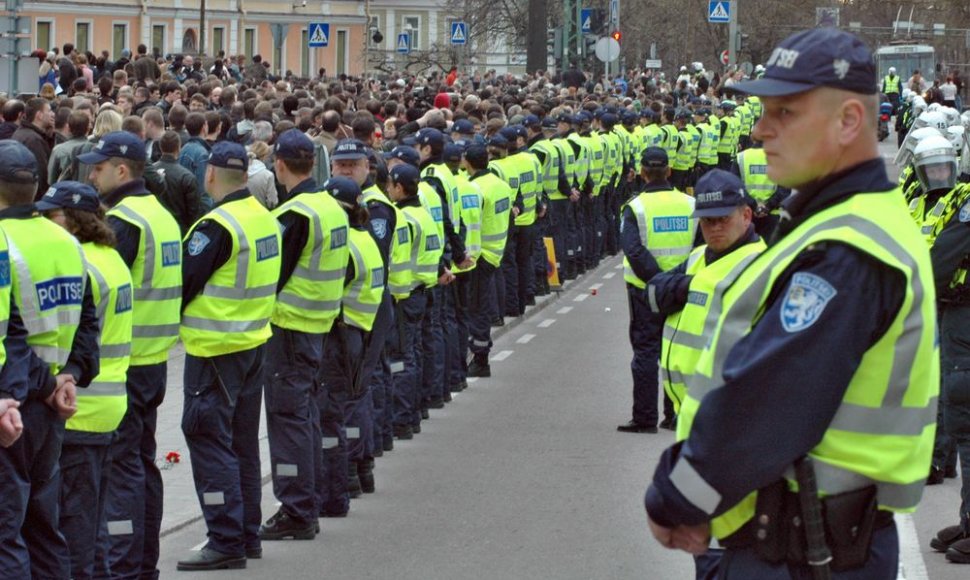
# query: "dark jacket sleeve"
[[644, 265], [777, 400], [198, 265], [669, 290], [84, 362]]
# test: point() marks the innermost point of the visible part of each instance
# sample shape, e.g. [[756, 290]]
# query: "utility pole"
[[733, 43], [535, 43], [201, 47]]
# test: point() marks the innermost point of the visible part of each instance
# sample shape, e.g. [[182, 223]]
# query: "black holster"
[[850, 520]]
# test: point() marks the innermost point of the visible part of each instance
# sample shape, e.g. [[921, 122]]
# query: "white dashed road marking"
[[501, 355], [547, 323], [581, 297], [564, 310], [525, 338]]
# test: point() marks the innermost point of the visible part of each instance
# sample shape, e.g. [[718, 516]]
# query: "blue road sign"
[[719, 11], [459, 32], [586, 21], [319, 35], [404, 43]]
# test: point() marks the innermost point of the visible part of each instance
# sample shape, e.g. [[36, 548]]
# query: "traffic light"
[[616, 35]]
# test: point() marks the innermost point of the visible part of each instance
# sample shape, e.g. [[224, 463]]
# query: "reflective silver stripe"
[[494, 237], [214, 498], [693, 487], [145, 294], [154, 331], [426, 268], [364, 308], [833, 480], [223, 325], [104, 389], [242, 258], [397, 367], [115, 350], [330, 443], [51, 354], [318, 275], [307, 303], [482, 343], [287, 470], [104, 292], [149, 270], [884, 420], [353, 432], [398, 288], [120, 528], [35, 322], [684, 338], [316, 254], [652, 298], [681, 251], [213, 291]]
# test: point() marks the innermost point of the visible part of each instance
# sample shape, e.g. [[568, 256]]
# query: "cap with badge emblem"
[[404, 153], [69, 195], [718, 193], [654, 158], [344, 190], [293, 144], [121, 144], [349, 149], [429, 136], [820, 57]]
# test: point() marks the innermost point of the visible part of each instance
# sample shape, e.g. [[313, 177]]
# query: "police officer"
[[500, 164], [554, 154], [892, 88], [392, 234], [656, 234], [752, 167], [425, 255], [497, 199], [50, 349], [847, 268], [687, 293], [313, 258], [344, 375], [517, 267], [149, 241], [231, 267], [727, 143], [710, 135], [101, 406], [554, 185], [575, 150]]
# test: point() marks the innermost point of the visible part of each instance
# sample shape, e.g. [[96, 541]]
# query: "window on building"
[[218, 40], [158, 38], [412, 24], [82, 36], [375, 25], [44, 34], [119, 39], [304, 54], [341, 52], [249, 43]]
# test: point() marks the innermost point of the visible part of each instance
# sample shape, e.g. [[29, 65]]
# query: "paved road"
[[522, 476]]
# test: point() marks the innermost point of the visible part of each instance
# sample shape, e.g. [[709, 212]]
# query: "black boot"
[[365, 473], [353, 482], [479, 368], [282, 526]]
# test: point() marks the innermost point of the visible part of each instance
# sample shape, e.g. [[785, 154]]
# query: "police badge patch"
[[965, 213], [806, 299], [380, 228], [198, 243]]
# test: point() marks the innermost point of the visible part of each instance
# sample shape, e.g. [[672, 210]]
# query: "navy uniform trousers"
[[455, 326], [133, 508], [883, 563], [646, 329], [432, 344], [293, 419], [380, 378], [518, 270], [405, 358], [955, 336], [220, 420], [30, 486], [558, 228], [481, 309], [84, 487]]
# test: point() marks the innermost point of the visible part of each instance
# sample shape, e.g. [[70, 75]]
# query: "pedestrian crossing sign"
[[404, 43], [459, 32], [719, 11], [586, 25], [319, 36]]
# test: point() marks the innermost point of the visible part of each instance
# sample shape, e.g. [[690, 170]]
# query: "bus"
[[907, 58]]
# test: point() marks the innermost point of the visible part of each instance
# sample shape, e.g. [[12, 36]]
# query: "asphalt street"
[[522, 476]]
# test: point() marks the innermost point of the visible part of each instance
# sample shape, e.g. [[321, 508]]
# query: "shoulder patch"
[[379, 226], [806, 299], [198, 243], [965, 212]]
